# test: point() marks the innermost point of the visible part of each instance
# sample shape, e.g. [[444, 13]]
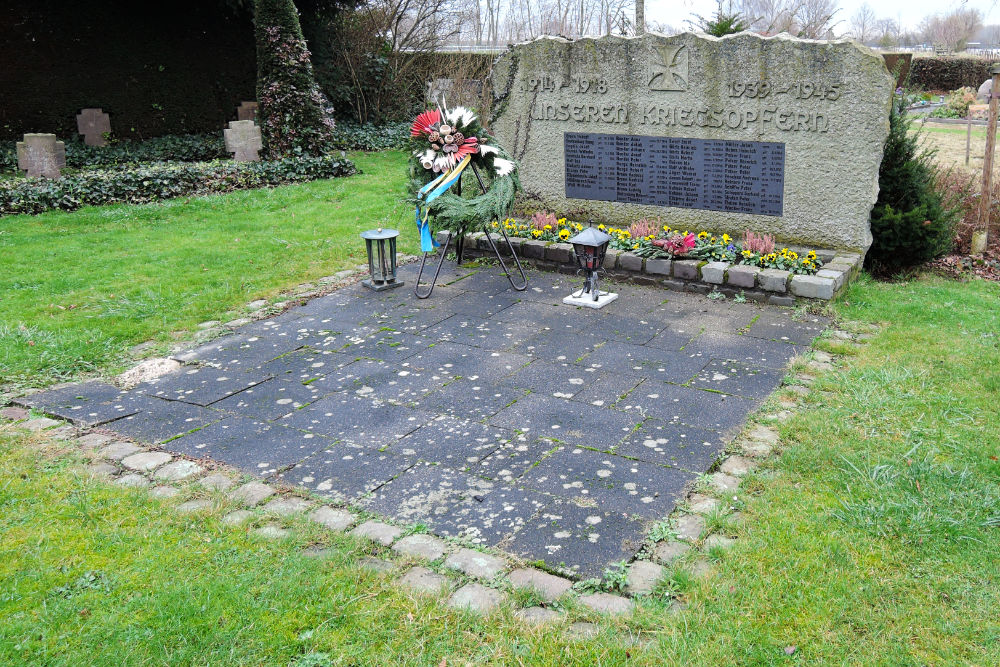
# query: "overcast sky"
[[908, 12]]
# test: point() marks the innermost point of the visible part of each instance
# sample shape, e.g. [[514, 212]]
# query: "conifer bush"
[[912, 221], [295, 117]]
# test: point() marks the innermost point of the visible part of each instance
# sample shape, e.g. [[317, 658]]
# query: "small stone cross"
[[41, 155], [246, 111], [243, 139], [93, 124]]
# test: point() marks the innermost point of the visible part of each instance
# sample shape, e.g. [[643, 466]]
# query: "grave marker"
[[243, 139], [775, 135], [246, 111], [41, 155], [93, 124]]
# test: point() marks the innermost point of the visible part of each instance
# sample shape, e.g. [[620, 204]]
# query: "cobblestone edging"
[[781, 288], [705, 524]]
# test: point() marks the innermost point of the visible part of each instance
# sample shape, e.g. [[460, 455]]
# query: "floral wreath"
[[443, 144]]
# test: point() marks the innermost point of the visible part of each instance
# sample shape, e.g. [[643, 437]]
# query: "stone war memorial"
[[774, 135]]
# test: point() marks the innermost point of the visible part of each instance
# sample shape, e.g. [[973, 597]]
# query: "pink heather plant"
[[643, 228], [762, 244], [542, 218]]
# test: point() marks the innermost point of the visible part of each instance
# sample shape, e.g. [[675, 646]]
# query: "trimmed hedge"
[[171, 148], [137, 185], [949, 72], [368, 137]]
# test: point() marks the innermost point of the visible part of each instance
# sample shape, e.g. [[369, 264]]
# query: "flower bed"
[[654, 240]]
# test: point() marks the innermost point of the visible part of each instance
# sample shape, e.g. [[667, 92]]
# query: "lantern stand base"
[[381, 287], [587, 301]]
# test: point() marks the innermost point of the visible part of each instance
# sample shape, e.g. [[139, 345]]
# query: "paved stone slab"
[[723, 482], [717, 541], [101, 469], [600, 428], [687, 405], [760, 352], [39, 424], [118, 450], [475, 598], [333, 519], [645, 361], [548, 586], [93, 440], [256, 447], [146, 461], [271, 400], [424, 494], [272, 532], [702, 504], [133, 480], [643, 577], [427, 547], [236, 517], [252, 494], [386, 346], [581, 630], [14, 413], [473, 400], [452, 360], [196, 505], [670, 551], [201, 385], [457, 443], [241, 351], [359, 420], [610, 482], [377, 564], [510, 461], [217, 482], [788, 327], [376, 531], [673, 444], [422, 580], [538, 615], [475, 563], [164, 492], [345, 472], [159, 420], [178, 471], [582, 540], [305, 365], [737, 466], [487, 519], [606, 603], [287, 506], [87, 404], [735, 377], [689, 527]]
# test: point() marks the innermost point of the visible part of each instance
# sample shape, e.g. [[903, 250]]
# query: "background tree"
[[952, 31], [725, 21], [294, 114], [863, 24]]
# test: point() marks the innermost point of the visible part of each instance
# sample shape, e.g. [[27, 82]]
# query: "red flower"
[[470, 147], [423, 123]]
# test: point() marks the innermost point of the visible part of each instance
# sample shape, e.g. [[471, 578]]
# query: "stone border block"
[[559, 252], [838, 277], [812, 286], [629, 262], [611, 259], [658, 267], [714, 273], [774, 280], [686, 269], [532, 249], [740, 275]]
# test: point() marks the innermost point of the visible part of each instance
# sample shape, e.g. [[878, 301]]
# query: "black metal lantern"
[[381, 260], [590, 246]]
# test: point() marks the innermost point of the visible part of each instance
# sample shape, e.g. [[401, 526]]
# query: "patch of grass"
[[79, 289]]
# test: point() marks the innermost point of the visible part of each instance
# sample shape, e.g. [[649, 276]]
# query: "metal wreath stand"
[[460, 247]]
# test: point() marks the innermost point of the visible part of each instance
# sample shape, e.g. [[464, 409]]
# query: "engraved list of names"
[[712, 174]]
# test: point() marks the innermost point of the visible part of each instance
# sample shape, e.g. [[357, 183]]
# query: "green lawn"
[[872, 539], [78, 289]]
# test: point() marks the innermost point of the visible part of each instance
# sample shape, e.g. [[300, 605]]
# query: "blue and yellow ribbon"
[[429, 193]]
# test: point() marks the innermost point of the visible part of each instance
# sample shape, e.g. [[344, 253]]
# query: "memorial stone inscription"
[[775, 135]]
